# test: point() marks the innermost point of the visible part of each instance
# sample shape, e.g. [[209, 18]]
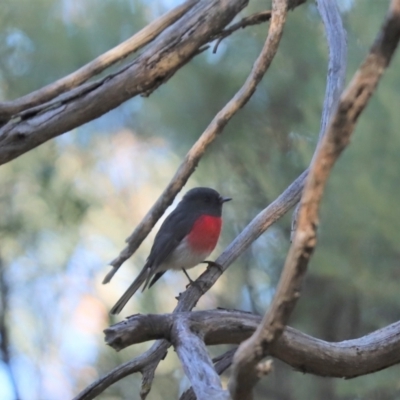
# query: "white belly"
[[183, 257]]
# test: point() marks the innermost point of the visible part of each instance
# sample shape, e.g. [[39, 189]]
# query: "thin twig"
[[139, 364], [340, 128], [96, 66], [254, 19]]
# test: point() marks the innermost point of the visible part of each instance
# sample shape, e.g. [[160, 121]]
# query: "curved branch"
[[99, 64], [347, 359], [253, 19], [337, 66], [170, 51], [337, 44], [339, 130], [139, 364]]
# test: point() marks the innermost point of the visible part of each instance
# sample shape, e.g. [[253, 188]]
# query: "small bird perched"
[[186, 237]]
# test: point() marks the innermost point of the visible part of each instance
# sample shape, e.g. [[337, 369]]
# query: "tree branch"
[[348, 359], [196, 362], [254, 19], [136, 42], [139, 364], [337, 44], [221, 364], [339, 130], [170, 51]]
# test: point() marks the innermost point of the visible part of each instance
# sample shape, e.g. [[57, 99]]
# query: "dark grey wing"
[[175, 227]]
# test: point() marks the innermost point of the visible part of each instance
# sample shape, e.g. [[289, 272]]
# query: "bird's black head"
[[205, 199]]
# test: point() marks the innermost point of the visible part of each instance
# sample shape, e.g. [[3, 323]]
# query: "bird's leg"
[[213, 264], [192, 282]]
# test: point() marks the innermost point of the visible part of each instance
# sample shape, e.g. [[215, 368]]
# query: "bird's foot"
[[192, 282], [213, 264]]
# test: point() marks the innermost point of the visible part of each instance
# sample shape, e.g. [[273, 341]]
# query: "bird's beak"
[[224, 199]]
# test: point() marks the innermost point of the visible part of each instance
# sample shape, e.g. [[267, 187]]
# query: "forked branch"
[[348, 359]]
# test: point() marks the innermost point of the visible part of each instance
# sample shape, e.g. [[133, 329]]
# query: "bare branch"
[[351, 104], [221, 364], [139, 364], [170, 51], [196, 362], [337, 44], [99, 64], [254, 19], [348, 359], [233, 327], [199, 148]]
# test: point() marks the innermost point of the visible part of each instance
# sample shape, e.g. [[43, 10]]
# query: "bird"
[[185, 239]]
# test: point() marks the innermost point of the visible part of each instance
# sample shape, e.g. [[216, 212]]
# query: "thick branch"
[[99, 64], [351, 104], [348, 359], [171, 50], [196, 362], [221, 363]]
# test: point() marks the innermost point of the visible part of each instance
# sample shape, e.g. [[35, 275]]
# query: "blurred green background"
[[67, 206]]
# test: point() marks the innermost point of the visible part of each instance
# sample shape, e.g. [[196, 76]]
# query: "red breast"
[[205, 233]]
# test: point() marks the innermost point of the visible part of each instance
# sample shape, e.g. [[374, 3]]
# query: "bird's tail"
[[120, 304]]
